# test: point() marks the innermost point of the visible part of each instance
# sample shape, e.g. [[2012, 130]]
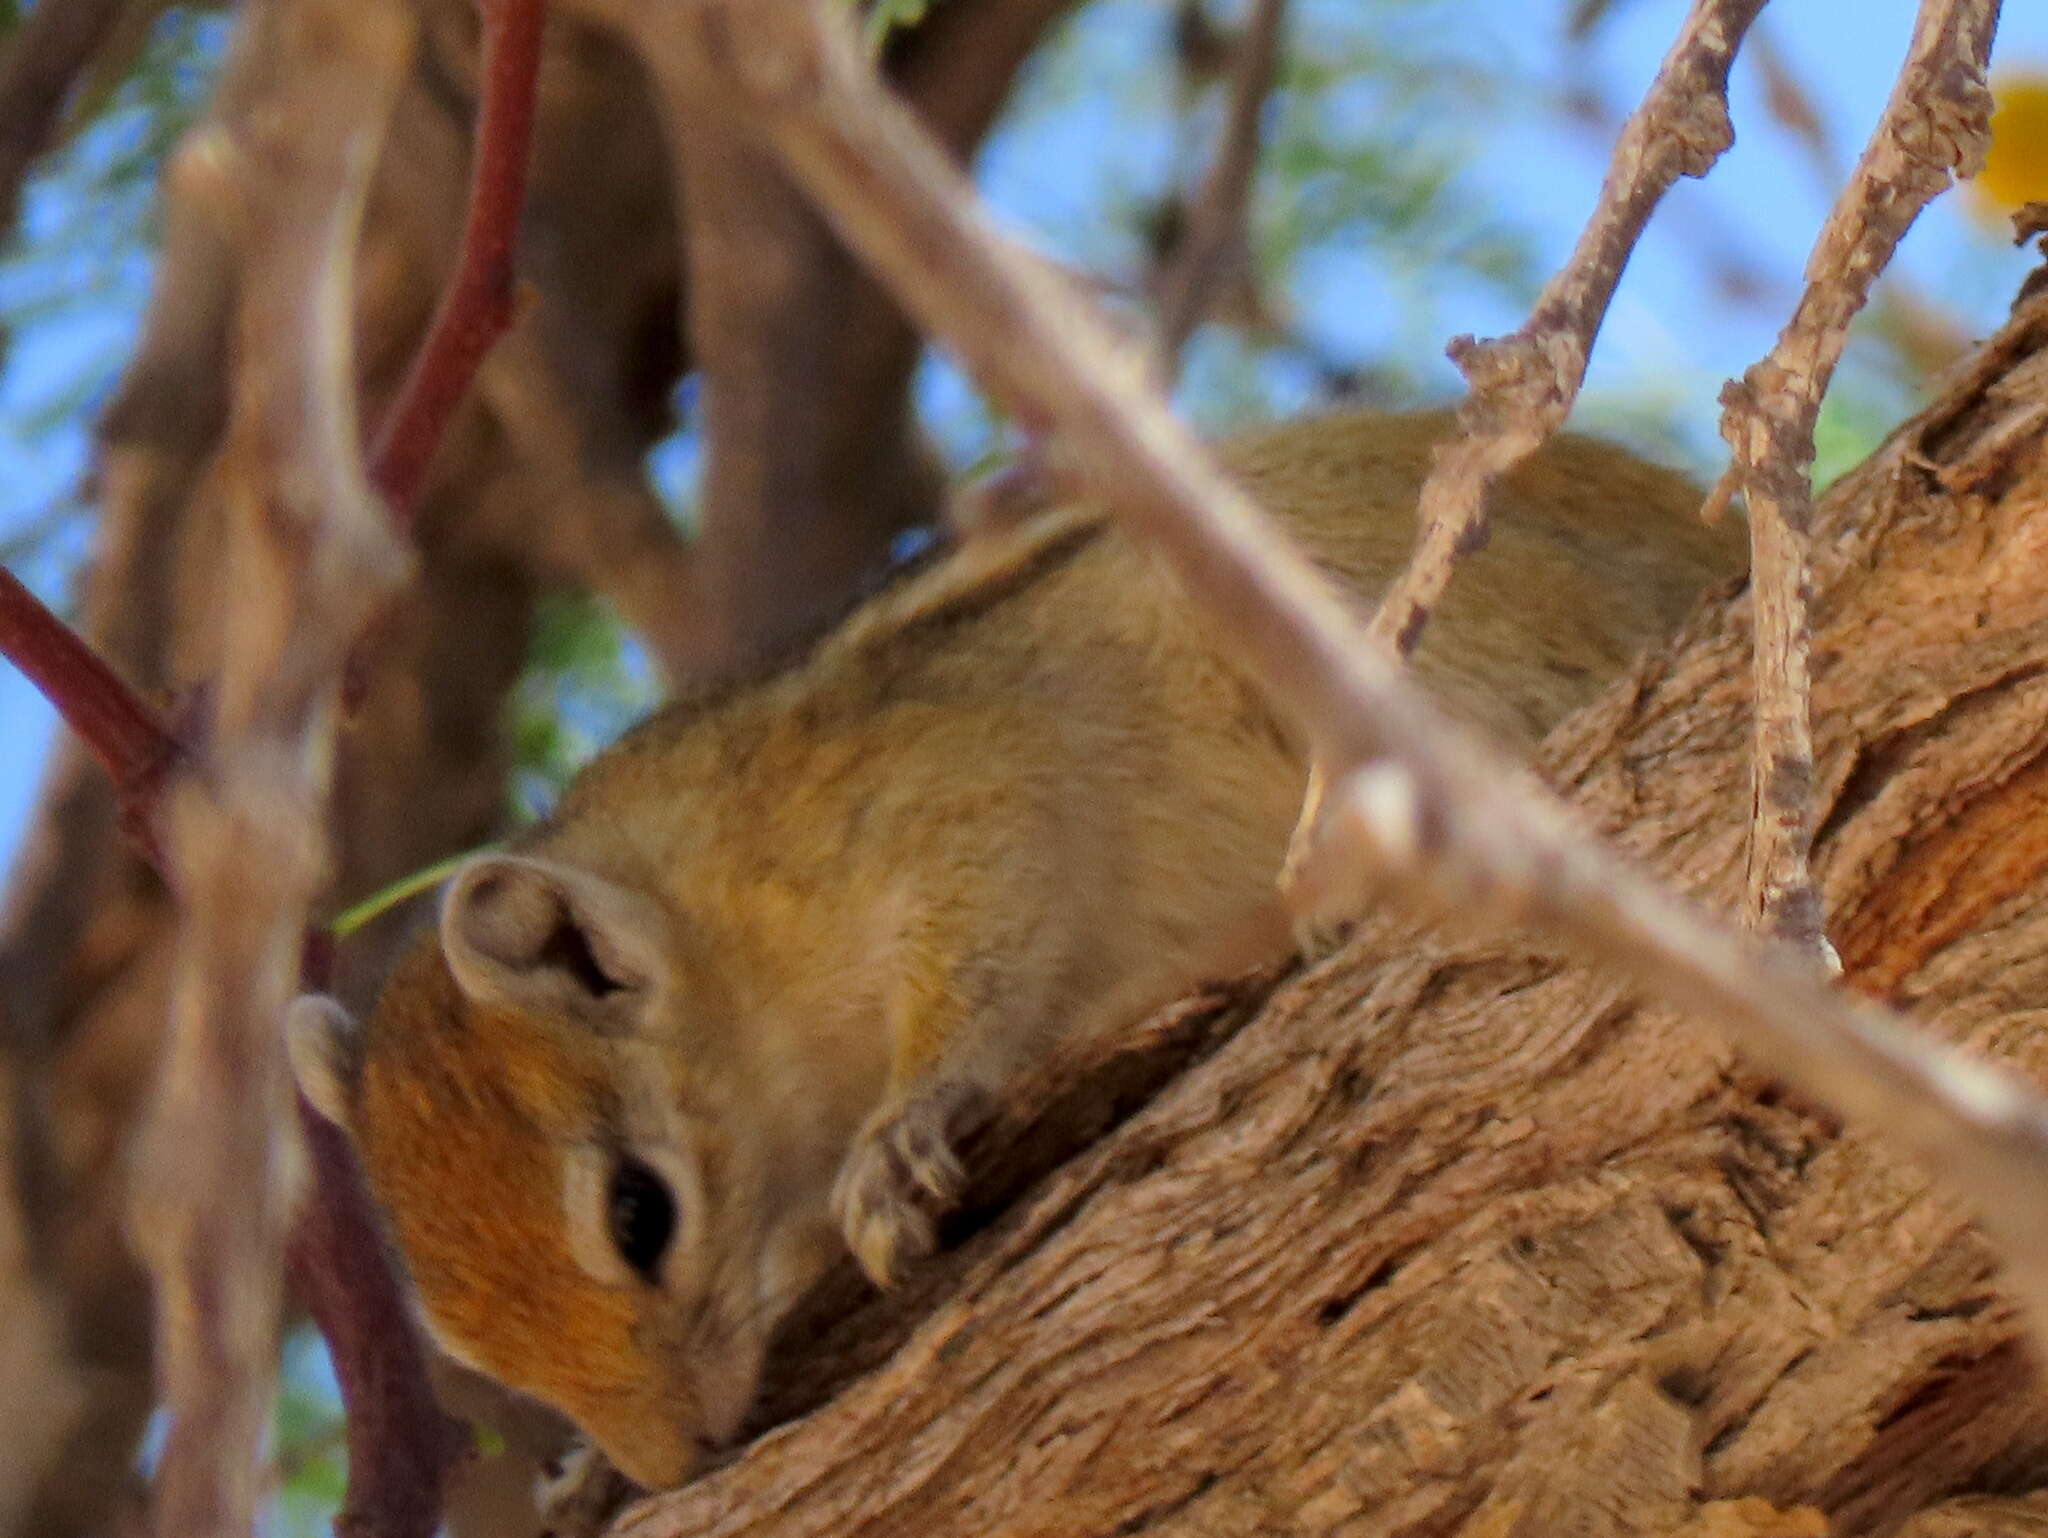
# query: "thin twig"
[[130, 740], [1216, 245], [1523, 384], [1937, 122], [308, 552], [402, 1447], [1928, 335], [477, 306], [1430, 804]]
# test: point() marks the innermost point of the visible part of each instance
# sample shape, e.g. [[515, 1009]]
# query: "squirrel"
[[710, 1023]]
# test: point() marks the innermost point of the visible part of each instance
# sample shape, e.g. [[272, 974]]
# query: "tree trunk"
[[1457, 1236]]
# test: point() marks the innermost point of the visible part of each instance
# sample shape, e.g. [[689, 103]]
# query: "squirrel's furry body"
[[770, 941]]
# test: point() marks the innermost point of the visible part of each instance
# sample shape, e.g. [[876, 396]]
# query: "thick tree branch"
[[1936, 123], [1457, 1238], [955, 68], [311, 553], [1429, 803], [784, 327]]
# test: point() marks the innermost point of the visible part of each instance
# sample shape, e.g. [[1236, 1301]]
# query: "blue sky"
[[1665, 341]]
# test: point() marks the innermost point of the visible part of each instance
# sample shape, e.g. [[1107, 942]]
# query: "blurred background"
[[1427, 164]]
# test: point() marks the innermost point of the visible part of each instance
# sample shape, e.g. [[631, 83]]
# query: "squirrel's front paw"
[[578, 1495], [900, 1174]]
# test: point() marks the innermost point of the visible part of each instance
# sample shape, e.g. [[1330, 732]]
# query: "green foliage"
[[308, 1430], [585, 681], [886, 16]]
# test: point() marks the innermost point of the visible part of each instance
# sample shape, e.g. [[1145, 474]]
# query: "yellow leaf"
[[2016, 170]]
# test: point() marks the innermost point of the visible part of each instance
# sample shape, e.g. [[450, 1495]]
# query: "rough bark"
[[1457, 1237]]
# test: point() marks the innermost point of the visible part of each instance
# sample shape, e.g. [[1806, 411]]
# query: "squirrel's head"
[[582, 1215]]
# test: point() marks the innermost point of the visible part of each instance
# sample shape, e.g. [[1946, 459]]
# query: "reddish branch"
[[401, 1446], [477, 306], [128, 738]]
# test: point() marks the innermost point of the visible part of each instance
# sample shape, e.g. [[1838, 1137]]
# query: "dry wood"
[[310, 554], [1457, 1237], [1936, 123], [1523, 385], [1929, 335]]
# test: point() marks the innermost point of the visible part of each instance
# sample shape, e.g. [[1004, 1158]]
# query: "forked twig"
[[1937, 122], [1523, 384]]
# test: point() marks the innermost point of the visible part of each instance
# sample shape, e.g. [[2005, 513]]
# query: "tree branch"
[[477, 305], [131, 742], [401, 1445], [1936, 122], [1523, 385], [310, 554], [401, 1450], [1427, 803], [1216, 244], [1450, 1204], [956, 66], [52, 47]]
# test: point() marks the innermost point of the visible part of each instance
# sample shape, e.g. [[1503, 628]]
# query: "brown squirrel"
[[710, 1023]]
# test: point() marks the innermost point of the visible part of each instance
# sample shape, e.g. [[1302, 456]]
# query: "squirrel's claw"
[[579, 1492], [900, 1173]]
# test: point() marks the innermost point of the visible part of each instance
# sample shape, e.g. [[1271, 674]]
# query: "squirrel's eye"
[[641, 1213]]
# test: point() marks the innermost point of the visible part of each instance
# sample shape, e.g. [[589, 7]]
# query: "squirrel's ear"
[[546, 938], [324, 1044]]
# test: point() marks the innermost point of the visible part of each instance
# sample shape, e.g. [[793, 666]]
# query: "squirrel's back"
[[1043, 716]]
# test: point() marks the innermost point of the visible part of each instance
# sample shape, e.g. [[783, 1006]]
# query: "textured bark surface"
[[1457, 1237]]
